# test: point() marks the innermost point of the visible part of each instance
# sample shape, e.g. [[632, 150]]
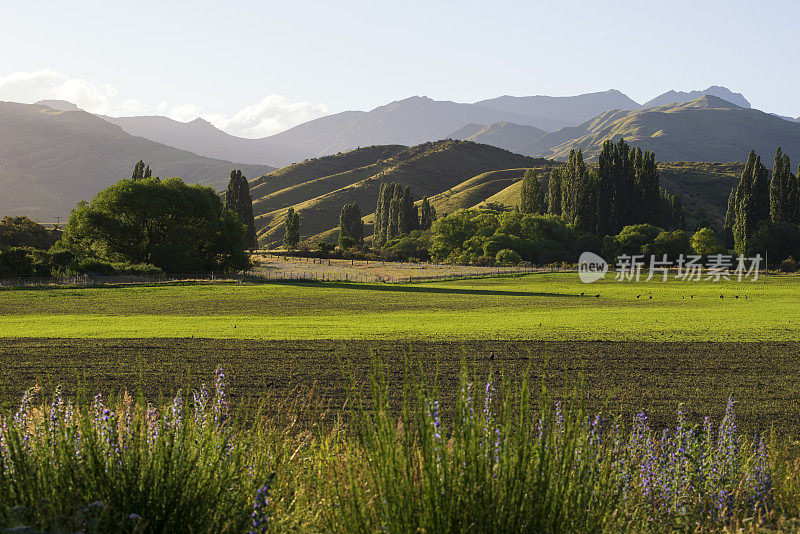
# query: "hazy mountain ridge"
[[407, 122], [679, 97], [564, 110], [513, 137], [50, 160]]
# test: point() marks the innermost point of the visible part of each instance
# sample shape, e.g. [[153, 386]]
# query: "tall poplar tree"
[[751, 203], [427, 214], [554, 193], [351, 227], [533, 200], [239, 201], [292, 229]]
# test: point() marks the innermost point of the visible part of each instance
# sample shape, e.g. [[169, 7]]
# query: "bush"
[[24, 261], [477, 236], [507, 257], [789, 265]]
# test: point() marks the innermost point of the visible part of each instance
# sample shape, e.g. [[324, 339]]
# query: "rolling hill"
[[51, 159], [429, 169], [452, 174], [705, 129]]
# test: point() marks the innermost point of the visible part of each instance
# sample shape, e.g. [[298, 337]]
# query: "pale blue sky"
[[257, 67]]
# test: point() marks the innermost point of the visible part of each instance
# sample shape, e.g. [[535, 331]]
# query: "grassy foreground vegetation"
[[491, 460], [551, 306]]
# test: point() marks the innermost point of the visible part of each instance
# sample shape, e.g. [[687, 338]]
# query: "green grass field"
[[532, 307]]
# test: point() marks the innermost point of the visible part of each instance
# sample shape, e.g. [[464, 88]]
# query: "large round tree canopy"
[[169, 224]]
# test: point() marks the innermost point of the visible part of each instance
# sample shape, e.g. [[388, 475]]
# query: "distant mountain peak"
[[60, 105], [680, 97]]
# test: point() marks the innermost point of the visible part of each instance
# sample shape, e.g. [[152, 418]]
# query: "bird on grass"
[[582, 293], [721, 297], [491, 356], [598, 295], [637, 296], [651, 297]]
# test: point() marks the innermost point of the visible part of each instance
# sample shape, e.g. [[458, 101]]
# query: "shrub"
[[507, 257], [789, 265]]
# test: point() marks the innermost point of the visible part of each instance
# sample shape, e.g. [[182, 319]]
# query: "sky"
[[254, 68]]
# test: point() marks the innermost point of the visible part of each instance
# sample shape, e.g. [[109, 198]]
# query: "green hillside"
[[454, 175], [50, 160], [703, 187], [706, 129], [311, 169], [429, 169]]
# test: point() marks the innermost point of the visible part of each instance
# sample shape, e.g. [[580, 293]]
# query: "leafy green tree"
[[239, 201], [477, 236], [292, 229], [427, 215], [671, 244], [141, 171], [533, 199], [168, 224], [704, 242], [507, 257], [631, 240], [351, 227]]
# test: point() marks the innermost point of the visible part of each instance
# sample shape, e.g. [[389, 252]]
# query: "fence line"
[[299, 275]]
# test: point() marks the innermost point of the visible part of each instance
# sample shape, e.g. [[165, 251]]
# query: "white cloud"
[[273, 114], [44, 84]]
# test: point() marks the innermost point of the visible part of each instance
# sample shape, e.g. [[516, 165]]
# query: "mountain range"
[[51, 159], [530, 125], [52, 154]]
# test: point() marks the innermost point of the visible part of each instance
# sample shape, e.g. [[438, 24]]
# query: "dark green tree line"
[[239, 201], [395, 213], [623, 190], [763, 205], [141, 171]]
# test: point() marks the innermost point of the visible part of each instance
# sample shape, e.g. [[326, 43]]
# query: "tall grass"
[[492, 460]]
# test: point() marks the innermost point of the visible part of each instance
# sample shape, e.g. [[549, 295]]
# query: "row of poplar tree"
[[621, 191], [396, 214], [762, 196]]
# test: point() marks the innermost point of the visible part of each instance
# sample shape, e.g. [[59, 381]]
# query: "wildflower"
[[259, 514]]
